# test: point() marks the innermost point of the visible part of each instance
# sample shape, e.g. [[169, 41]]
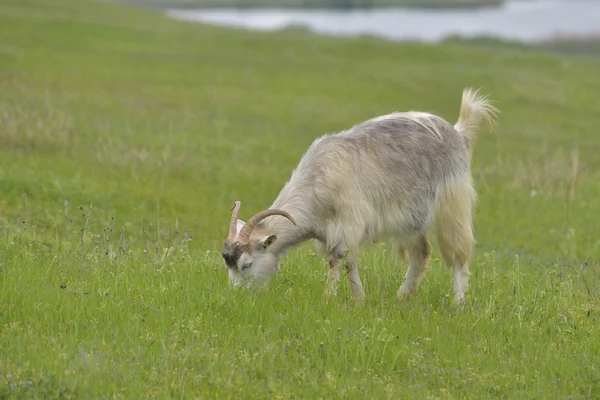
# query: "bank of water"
[[526, 21]]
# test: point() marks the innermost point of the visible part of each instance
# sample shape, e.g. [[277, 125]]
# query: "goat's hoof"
[[357, 301], [403, 296], [404, 293], [328, 294], [358, 297], [459, 300]]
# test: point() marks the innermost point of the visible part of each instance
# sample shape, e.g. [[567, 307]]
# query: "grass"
[[126, 137], [586, 47]]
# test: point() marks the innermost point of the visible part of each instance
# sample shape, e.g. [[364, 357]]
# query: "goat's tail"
[[474, 107]]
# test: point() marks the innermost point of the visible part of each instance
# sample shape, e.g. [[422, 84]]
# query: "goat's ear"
[[240, 225], [266, 241]]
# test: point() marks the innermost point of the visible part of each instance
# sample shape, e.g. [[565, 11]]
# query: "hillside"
[[161, 125]]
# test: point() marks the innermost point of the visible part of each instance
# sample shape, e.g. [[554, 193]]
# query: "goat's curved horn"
[[244, 235], [234, 217]]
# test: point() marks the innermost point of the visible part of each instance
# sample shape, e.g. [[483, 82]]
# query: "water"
[[524, 21]]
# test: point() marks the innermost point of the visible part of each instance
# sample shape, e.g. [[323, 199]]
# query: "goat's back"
[[382, 176]]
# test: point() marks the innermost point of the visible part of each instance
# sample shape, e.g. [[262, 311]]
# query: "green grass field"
[[125, 138]]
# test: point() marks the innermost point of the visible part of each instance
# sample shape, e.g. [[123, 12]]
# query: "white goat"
[[391, 177]]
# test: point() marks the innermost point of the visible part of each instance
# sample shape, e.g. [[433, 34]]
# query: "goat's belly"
[[401, 223]]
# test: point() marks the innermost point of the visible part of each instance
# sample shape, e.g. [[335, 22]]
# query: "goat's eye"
[[247, 265]]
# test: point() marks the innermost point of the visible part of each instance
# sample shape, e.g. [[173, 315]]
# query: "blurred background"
[[549, 23], [189, 105]]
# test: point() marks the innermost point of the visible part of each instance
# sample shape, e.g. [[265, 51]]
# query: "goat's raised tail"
[[474, 108]]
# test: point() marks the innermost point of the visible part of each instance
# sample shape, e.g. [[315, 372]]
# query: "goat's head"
[[248, 251]]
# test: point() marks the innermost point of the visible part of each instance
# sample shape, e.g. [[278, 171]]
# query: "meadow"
[[125, 138]]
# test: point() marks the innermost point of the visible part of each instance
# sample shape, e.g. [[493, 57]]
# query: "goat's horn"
[[244, 235], [234, 217]]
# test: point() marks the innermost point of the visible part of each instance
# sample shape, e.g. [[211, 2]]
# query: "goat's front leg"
[[420, 252], [335, 263], [356, 289]]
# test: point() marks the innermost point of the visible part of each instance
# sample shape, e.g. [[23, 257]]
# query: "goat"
[[394, 177]]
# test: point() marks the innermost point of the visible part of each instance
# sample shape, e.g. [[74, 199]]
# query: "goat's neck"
[[288, 234], [293, 201]]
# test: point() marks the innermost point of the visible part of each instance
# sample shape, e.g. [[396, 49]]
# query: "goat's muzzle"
[[232, 251]]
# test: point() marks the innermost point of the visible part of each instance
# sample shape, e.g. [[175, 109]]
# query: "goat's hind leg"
[[455, 234], [420, 252]]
